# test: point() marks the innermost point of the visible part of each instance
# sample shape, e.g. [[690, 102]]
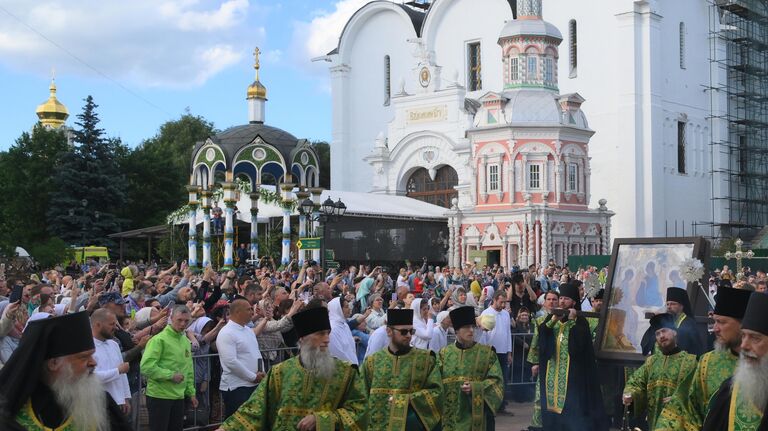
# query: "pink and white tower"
[[530, 160]]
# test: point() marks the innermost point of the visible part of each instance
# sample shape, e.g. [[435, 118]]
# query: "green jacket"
[[166, 354]]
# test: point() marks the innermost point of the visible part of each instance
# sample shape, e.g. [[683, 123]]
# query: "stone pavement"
[[521, 419]]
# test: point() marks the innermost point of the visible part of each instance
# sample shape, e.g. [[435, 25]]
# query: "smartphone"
[[394, 297], [260, 365], [16, 294]]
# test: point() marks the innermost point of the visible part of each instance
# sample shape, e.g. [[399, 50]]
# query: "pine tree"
[[89, 185]]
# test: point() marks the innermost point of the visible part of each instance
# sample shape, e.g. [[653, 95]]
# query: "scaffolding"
[[739, 109]]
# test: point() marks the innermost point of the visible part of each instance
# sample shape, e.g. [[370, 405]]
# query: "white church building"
[[480, 100]]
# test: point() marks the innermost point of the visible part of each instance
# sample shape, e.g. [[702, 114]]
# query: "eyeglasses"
[[404, 332]]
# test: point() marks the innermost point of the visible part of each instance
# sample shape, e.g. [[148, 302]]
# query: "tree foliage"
[[88, 186], [158, 170], [26, 185]]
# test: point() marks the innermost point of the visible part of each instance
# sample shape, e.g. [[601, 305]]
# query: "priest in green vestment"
[[311, 391], [652, 385], [403, 384], [690, 403], [472, 382], [550, 301], [741, 402], [570, 392]]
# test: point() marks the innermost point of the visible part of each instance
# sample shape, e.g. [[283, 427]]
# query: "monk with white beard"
[[740, 403], [48, 383], [312, 391]]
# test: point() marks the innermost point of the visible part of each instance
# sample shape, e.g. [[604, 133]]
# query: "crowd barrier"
[[210, 411]]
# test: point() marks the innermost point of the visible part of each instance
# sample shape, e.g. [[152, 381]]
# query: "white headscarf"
[[423, 328], [342, 345]]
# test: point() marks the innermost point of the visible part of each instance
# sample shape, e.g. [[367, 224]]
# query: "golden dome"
[[257, 90], [52, 113]]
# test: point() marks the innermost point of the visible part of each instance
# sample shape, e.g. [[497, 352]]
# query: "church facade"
[[511, 165], [436, 100]]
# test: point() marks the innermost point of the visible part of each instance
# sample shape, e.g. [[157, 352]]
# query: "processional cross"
[[739, 255]]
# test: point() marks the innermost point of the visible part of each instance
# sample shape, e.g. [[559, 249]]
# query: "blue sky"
[[146, 61]]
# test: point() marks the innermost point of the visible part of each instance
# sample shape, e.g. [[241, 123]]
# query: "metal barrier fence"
[[210, 412]]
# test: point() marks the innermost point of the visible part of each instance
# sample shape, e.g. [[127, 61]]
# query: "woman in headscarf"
[[364, 289], [342, 344], [378, 316], [463, 298], [422, 324]]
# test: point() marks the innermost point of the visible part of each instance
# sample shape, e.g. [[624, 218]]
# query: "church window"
[[532, 70], [549, 70], [439, 191], [387, 81], [682, 45], [514, 69], [573, 182], [534, 176], [681, 147], [474, 67], [572, 45], [493, 178]]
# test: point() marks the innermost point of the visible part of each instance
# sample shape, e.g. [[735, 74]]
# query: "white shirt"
[[108, 358], [379, 340], [439, 339], [501, 336], [586, 305], [239, 355]]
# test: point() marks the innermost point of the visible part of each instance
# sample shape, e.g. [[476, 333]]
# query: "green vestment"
[[289, 393], [689, 405], [657, 379], [478, 365], [27, 419], [533, 358], [743, 415], [404, 390]]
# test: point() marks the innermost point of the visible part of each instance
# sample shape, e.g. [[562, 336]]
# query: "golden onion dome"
[[52, 113], [257, 90]]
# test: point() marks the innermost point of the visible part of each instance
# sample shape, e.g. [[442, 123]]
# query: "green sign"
[[332, 264], [329, 254], [480, 257], [308, 243]]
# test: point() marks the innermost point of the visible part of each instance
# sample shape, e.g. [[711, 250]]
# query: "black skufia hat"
[[570, 290], [676, 294], [661, 321], [462, 316], [310, 321], [756, 315], [399, 316], [599, 295], [731, 302]]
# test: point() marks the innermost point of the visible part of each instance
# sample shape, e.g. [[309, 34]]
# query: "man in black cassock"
[[48, 382], [688, 338], [740, 403], [570, 391]]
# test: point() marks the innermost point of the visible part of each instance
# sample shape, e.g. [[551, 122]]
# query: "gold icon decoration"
[[424, 77]]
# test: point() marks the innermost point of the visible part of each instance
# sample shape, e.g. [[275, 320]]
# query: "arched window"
[[387, 81], [682, 45], [572, 48], [438, 192]]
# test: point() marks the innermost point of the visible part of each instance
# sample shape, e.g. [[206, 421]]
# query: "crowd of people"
[[267, 347]]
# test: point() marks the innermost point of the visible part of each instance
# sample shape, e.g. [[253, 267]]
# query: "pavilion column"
[[300, 196], [537, 244], [229, 228], [531, 243], [255, 223], [286, 189], [544, 240], [317, 193], [192, 243], [206, 198]]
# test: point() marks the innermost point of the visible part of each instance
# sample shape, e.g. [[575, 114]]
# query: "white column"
[[285, 256], [340, 131], [192, 215], [206, 195], [316, 195], [531, 245], [544, 240], [537, 237], [300, 196], [255, 223], [229, 228]]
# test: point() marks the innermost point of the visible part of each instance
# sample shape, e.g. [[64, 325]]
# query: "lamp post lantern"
[[330, 211]]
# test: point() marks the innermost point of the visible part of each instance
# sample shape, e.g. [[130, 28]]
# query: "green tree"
[[26, 186], [323, 150], [158, 170], [88, 185]]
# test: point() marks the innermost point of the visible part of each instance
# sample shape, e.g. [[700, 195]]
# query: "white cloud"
[[146, 43]]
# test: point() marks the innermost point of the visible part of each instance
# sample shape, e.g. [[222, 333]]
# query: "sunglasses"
[[404, 332]]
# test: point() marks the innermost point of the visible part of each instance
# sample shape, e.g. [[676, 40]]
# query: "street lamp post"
[[330, 211]]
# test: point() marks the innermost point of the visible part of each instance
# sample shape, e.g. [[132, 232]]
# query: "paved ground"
[[519, 421]]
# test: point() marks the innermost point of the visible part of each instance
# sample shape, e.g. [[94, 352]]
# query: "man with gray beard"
[[312, 391], [49, 381], [740, 403]]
